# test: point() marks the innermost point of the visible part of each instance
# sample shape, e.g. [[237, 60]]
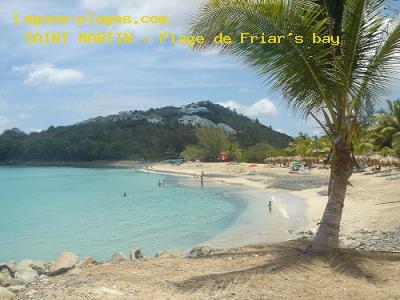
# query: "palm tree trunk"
[[327, 237]]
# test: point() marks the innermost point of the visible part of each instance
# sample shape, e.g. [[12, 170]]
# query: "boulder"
[[6, 270], [16, 288], [88, 260], [44, 277], [12, 266], [135, 253], [118, 257], [3, 280], [38, 265], [170, 253], [27, 276], [200, 251], [64, 262], [6, 294]]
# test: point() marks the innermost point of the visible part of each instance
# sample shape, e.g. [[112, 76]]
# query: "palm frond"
[[303, 70]]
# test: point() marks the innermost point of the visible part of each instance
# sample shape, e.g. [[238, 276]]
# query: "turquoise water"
[[45, 210]]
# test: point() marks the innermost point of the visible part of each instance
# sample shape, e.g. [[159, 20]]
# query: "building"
[[193, 108], [129, 116], [226, 128], [155, 119], [194, 120]]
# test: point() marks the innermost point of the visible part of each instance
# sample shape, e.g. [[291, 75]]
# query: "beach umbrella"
[[298, 158], [389, 161], [374, 159]]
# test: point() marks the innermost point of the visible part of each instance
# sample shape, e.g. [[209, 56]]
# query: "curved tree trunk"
[[327, 237]]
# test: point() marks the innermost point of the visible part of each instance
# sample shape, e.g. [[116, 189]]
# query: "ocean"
[[46, 210]]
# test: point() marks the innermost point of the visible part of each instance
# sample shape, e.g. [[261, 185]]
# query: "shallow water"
[[45, 210]]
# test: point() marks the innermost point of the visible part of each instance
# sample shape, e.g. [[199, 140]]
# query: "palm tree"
[[322, 81], [386, 130]]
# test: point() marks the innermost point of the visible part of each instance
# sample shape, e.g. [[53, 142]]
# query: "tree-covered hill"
[[110, 138]]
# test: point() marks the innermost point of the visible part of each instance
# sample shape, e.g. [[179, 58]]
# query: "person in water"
[[159, 183], [125, 194]]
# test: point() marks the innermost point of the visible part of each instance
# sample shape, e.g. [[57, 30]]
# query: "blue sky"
[[61, 85]]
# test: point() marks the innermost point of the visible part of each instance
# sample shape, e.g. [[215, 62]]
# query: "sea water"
[[46, 210]]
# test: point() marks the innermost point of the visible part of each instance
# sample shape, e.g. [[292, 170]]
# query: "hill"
[[138, 135]]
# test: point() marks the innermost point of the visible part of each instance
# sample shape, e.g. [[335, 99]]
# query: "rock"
[[6, 270], [135, 253], [37, 265], [44, 277], [12, 266], [24, 264], [3, 280], [64, 262], [27, 276], [118, 257], [6, 294], [15, 288], [170, 253], [88, 260], [200, 251]]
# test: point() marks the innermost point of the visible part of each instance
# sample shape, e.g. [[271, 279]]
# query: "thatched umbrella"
[[268, 160], [389, 161], [298, 158], [374, 159]]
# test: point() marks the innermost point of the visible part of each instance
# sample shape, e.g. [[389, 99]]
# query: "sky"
[[57, 85]]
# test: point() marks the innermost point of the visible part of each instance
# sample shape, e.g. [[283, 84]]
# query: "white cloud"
[[261, 108], [48, 74]]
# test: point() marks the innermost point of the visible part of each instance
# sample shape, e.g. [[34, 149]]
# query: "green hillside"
[[118, 137]]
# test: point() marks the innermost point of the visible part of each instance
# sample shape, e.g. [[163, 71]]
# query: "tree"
[[211, 141], [326, 82], [234, 151], [386, 130]]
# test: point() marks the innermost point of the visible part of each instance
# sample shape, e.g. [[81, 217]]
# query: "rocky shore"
[[23, 280], [15, 278]]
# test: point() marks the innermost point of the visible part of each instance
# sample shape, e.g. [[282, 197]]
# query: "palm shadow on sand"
[[287, 259]]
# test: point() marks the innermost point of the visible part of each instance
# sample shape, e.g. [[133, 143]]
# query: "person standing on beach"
[[202, 179], [270, 206]]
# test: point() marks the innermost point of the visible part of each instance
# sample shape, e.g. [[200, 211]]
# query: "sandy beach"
[[371, 203]]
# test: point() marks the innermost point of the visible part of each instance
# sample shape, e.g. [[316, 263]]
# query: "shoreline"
[[254, 224], [313, 208], [314, 201]]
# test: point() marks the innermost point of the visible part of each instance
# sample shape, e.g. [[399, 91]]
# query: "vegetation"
[[331, 84], [137, 140], [385, 132], [210, 142]]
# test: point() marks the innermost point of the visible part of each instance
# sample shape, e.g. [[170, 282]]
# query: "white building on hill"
[[226, 128], [195, 121], [155, 119]]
